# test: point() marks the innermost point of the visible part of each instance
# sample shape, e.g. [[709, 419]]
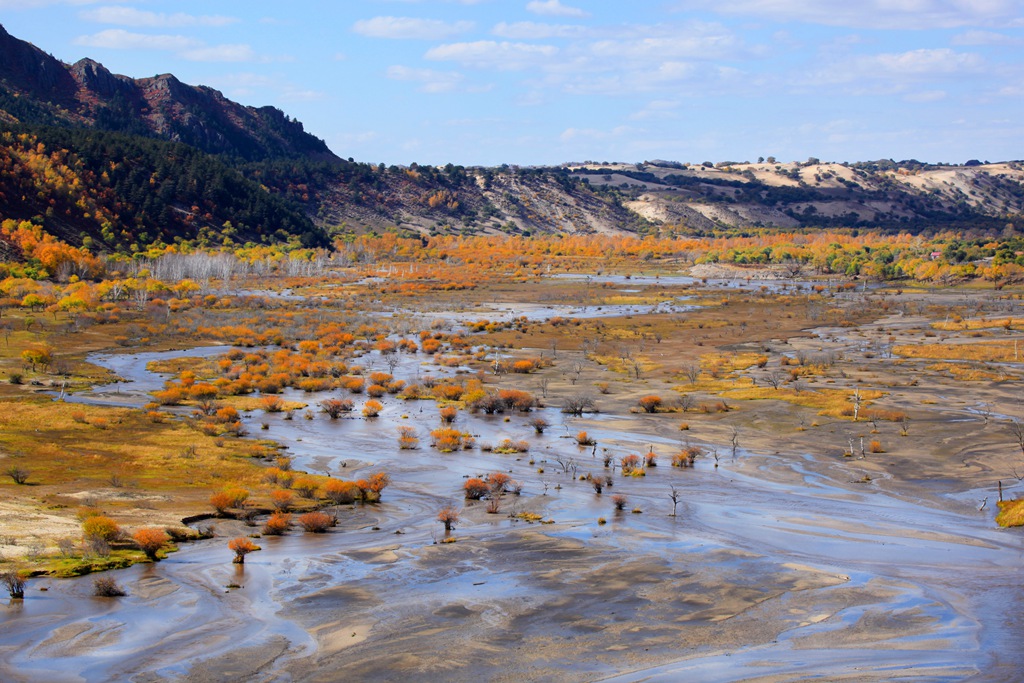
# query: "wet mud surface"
[[775, 568]]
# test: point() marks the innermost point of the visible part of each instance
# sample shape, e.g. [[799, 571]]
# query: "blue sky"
[[551, 81]]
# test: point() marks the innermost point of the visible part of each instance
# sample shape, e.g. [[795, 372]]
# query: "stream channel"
[[773, 569]]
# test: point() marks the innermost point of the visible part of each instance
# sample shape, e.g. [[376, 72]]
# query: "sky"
[[544, 82]]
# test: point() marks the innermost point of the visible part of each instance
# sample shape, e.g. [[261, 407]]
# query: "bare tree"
[[1017, 430], [856, 399], [14, 583], [692, 372], [577, 404], [673, 494], [575, 370]]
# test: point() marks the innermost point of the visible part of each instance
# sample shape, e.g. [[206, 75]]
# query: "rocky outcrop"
[[37, 88]]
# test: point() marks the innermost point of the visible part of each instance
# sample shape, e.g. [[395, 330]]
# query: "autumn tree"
[[14, 583], [150, 541], [231, 497], [650, 404], [341, 492], [102, 527], [316, 522], [276, 524], [241, 546], [449, 517]]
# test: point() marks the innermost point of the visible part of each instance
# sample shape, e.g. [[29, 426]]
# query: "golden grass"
[[828, 402], [246, 403], [980, 324], [1011, 513], [625, 367], [43, 437], [714, 363], [203, 368], [989, 352], [970, 374]]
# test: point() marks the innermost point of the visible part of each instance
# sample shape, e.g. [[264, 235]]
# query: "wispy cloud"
[[987, 38], [248, 85], [554, 8], [485, 54], [531, 30], [408, 28], [129, 16], [220, 53], [120, 39], [877, 14], [431, 81], [914, 65], [185, 47]]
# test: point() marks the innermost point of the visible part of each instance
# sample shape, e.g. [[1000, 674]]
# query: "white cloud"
[[899, 67], [877, 14], [408, 28], [129, 16], [490, 54], [31, 4], [554, 8], [119, 39], [657, 109], [220, 53], [249, 85], [700, 43], [926, 96], [531, 30], [986, 38], [185, 47], [430, 81]]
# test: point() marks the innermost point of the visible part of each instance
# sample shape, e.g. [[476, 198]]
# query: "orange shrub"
[[516, 399], [372, 408], [523, 366], [630, 463], [407, 439], [272, 404], [281, 499], [150, 541], [241, 546], [448, 392], [650, 404], [374, 486], [316, 522], [100, 526], [228, 498], [447, 439], [380, 378], [341, 492], [475, 488], [276, 524], [306, 486]]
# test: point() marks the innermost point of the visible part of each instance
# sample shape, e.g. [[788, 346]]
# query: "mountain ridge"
[[88, 94], [288, 172]]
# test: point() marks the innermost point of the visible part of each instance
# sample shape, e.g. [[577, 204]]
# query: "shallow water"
[[915, 590]]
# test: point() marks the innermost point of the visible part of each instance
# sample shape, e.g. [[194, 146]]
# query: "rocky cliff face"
[[654, 196], [36, 88]]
